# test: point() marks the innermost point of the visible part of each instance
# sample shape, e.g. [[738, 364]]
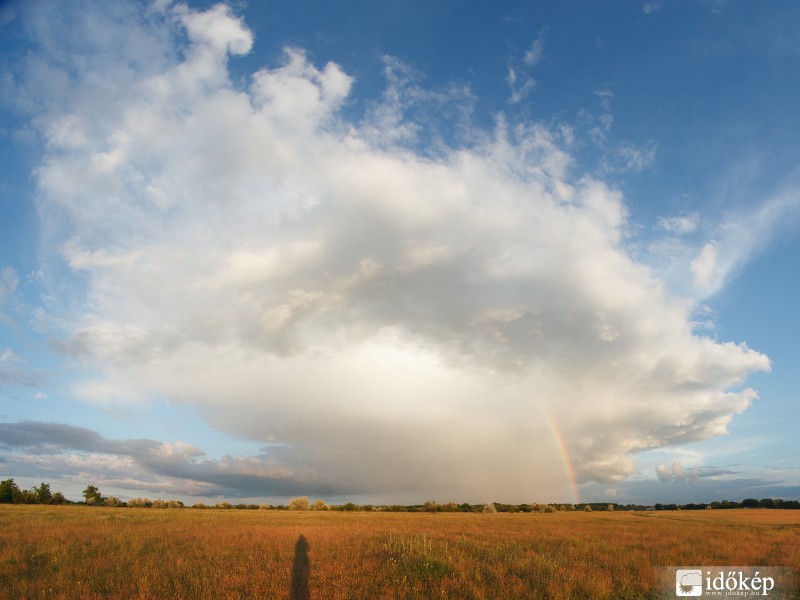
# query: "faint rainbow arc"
[[558, 438]]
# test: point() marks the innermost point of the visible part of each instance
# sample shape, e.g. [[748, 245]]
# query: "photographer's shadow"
[[301, 569]]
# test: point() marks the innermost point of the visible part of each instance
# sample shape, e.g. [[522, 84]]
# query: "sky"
[[397, 251]]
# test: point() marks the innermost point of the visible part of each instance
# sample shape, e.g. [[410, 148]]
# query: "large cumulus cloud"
[[397, 319]]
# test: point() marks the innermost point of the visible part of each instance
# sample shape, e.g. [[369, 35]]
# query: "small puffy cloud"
[[631, 158], [248, 251], [679, 224], [651, 7], [676, 472], [519, 89], [533, 55], [217, 28], [705, 267], [518, 79], [604, 96]]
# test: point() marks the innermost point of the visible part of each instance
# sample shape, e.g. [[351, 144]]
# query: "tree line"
[[11, 493]]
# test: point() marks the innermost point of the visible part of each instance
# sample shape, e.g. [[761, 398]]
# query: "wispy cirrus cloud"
[[518, 78], [740, 237]]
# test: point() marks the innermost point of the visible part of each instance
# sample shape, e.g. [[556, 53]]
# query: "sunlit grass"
[[84, 552]]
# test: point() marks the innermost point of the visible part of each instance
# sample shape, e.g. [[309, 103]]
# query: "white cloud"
[[533, 55], [400, 322], [698, 257], [408, 114], [216, 28], [740, 237], [651, 7], [518, 80], [604, 96], [631, 158], [679, 224], [705, 267], [519, 90], [677, 473]]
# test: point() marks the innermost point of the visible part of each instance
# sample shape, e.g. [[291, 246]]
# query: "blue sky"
[[400, 251]]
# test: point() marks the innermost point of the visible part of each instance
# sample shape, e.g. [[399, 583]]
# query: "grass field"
[[85, 552]]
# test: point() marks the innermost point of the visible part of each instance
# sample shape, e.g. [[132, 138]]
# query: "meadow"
[[98, 552]]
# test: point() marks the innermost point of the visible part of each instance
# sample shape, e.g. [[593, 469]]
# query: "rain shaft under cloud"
[[388, 318]]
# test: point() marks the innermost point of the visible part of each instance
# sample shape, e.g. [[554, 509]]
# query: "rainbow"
[[558, 438]]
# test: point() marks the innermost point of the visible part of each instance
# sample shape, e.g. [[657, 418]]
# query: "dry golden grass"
[[83, 552]]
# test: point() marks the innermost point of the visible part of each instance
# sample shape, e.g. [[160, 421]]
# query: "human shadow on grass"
[[301, 569]]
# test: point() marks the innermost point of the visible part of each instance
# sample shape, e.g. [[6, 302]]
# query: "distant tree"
[[265, 506], [8, 491], [25, 497], [320, 504], [42, 494], [489, 508], [92, 495], [767, 503], [300, 503], [140, 503], [113, 501], [431, 506], [587, 508]]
